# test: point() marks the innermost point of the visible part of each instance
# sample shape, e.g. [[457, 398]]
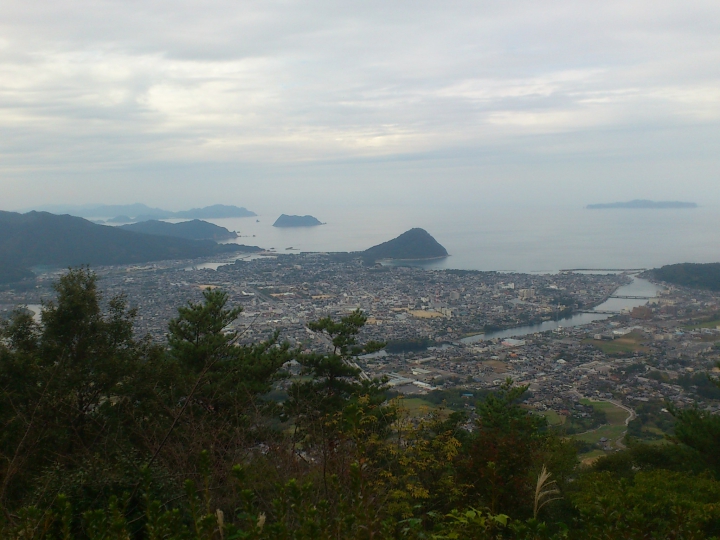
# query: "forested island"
[[415, 244], [642, 204], [296, 221]]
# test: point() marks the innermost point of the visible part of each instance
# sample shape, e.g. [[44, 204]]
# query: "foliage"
[[700, 276], [105, 435], [653, 504], [37, 238]]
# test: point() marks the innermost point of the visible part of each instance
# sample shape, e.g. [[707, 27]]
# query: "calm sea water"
[[543, 239]]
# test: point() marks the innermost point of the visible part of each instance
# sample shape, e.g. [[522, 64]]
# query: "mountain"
[[192, 230], [106, 210], [40, 238], [215, 211], [118, 219], [641, 204], [296, 221], [141, 212], [412, 244], [698, 276], [10, 273]]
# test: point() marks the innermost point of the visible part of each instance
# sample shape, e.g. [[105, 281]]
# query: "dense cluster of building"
[[652, 353]]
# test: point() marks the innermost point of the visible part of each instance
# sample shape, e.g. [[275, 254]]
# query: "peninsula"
[[296, 221], [694, 275], [192, 230], [642, 204], [41, 238], [415, 244]]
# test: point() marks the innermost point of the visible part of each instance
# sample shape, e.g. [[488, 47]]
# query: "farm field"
[[553, 418], [629, 343], [612, 431], [417, 406]]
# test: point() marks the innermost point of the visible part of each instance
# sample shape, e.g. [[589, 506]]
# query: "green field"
[[706, 324], [553, 418], [613, 430], [591, 456], [417, 406], [593, 437], [615, 414], [629, 343]]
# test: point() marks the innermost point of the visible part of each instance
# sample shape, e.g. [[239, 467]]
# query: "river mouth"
[[612, 306]]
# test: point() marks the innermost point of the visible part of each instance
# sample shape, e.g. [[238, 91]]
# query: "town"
[[609, 377]]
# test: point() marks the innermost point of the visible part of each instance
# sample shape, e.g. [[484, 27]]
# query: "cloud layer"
[[120, 93]]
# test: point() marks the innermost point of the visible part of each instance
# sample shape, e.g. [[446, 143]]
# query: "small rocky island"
[[296, 221], [415, 244], [642, 204]]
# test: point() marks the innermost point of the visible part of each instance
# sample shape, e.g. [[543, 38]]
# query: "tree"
[[62, 385], [507, 452], [228, 375], [334, 375]]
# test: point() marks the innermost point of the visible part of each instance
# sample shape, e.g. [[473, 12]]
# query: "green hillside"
[[412, 244], [699, 276], [40, 238], [191, 230]]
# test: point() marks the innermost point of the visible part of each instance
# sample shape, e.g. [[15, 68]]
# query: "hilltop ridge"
[[41, 238], [142, 212], [192, 230]]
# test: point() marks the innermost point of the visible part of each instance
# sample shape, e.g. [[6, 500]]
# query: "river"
[[638, 287]]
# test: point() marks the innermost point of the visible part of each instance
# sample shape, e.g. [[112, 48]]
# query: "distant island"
[[41, 238], [642, 204], [192, 230], [216, 211], [127, 213], [415, 244], [697, 276], [296, 221]]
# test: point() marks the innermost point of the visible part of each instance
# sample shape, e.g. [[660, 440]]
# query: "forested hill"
[[192, 230], [11, 273], [413, 244], [40, 238], [699, 276], [296, 221]]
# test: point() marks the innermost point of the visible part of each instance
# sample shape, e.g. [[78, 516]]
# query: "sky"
[[294, 105]]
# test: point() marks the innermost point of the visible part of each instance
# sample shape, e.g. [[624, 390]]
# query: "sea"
[[508, 238]]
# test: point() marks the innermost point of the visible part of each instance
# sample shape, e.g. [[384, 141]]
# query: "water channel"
[[638, 287]]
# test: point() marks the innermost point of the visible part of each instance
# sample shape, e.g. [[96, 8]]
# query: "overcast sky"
[[188, 103]]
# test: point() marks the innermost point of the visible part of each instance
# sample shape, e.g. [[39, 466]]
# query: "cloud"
[[92, 86]]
